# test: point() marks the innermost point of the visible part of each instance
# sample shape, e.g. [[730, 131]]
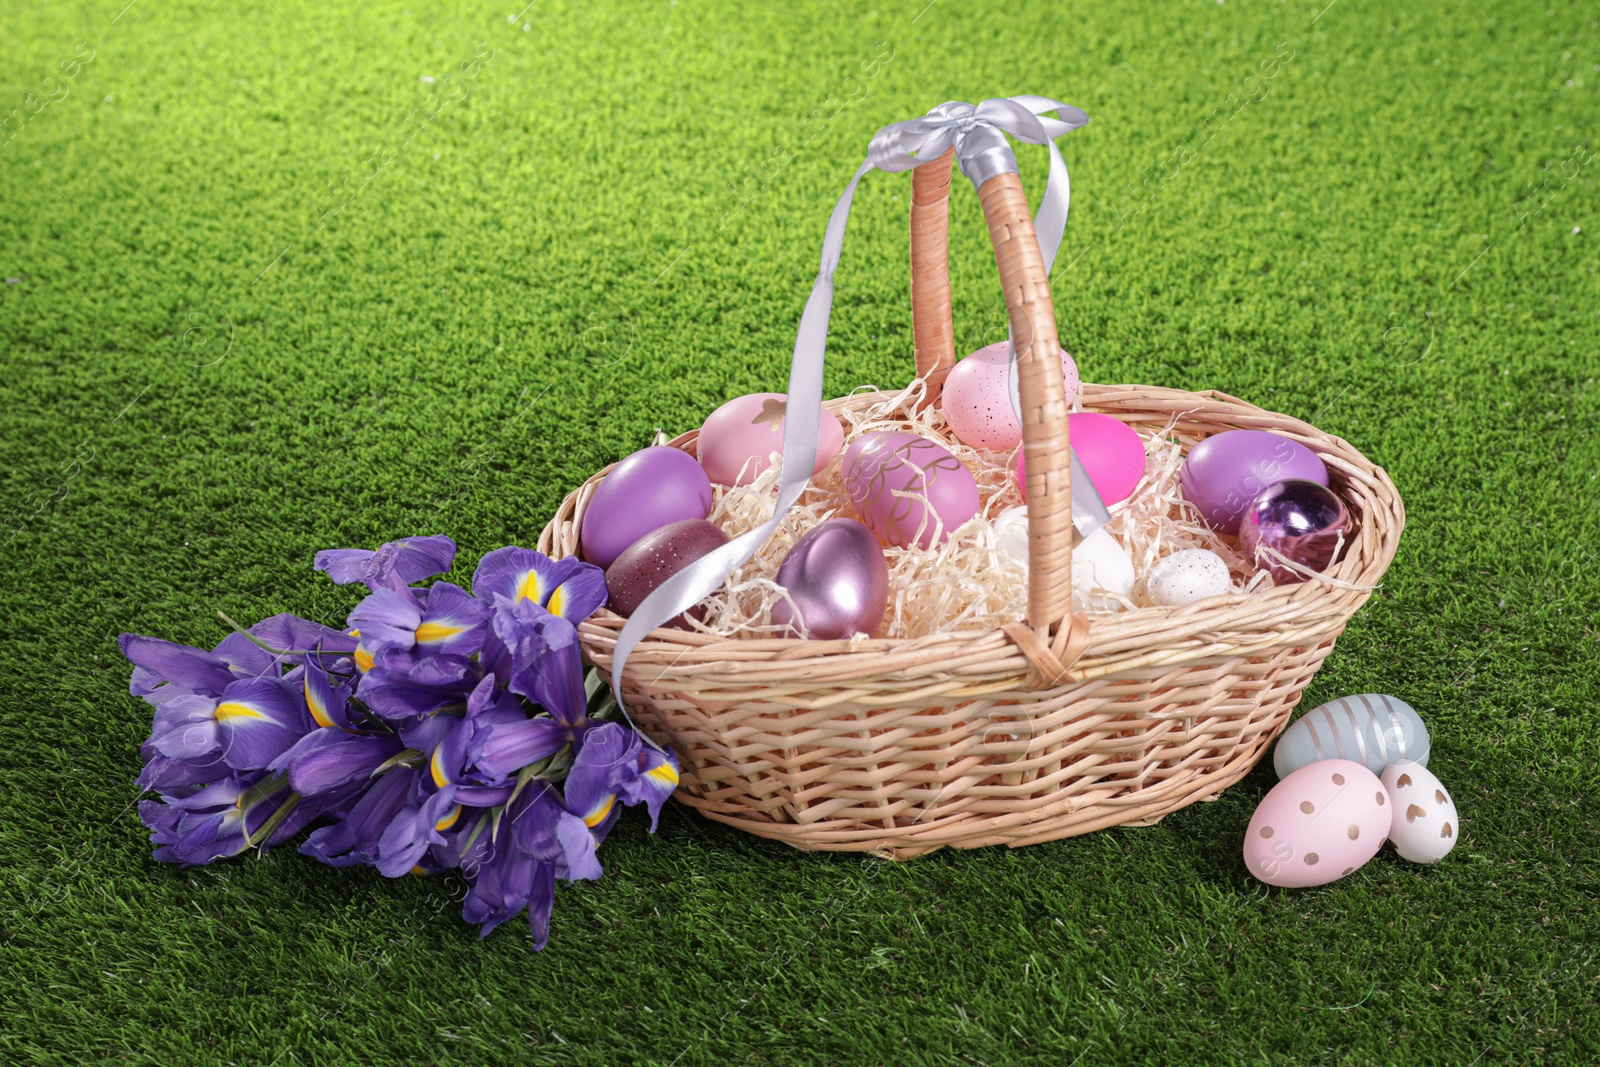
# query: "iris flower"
[[249, 724], [393, 566], [565, 587], [442, 620], [557, 686]]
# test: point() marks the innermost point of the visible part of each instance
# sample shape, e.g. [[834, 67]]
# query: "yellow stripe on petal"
[[355, 633], [363, 659], [436, 768], [598, 816], [449, 820], [233, 709], [557, 599], [319, 714], [528, 587], [433, 632], [418, 871], [665, 774]]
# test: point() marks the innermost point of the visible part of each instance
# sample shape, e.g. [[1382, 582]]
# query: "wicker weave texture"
[[899, 747]]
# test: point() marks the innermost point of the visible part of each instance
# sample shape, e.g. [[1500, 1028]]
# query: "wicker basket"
[[1047, 728]]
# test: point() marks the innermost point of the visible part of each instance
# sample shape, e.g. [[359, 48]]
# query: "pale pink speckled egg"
[[1317, 825], [737, 440], [977, 405]]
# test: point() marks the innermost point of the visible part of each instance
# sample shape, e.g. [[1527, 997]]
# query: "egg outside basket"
[[1047, 728]]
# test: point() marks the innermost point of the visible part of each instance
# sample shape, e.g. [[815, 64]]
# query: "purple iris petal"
[[483, 796], [246, 659], [327, 703], [394, 565], [578, 844], [412, 830], [501, 889], [503, 750], [164, 772], [258, 719], [520, 574], [557, 685], [541, 896], [590, 789], [453, 623], [651, 777], [580, 595], [427, 734], [293, 634], [182, 665], [186, 728], [354, 839], [387, 618], [328, 759]]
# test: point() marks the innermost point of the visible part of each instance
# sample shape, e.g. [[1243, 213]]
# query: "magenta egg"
[[1224, 473], [646, 491], [1110, 450], [1305, 522], [736, 442], [977, 404], [838, 580], [907, 489], [654, 558]]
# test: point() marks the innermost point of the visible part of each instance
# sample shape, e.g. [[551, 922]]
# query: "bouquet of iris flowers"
[[439, 729]]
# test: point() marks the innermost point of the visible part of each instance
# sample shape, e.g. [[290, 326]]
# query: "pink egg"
[[737, 440], [1109, 449], [977, 404], [904, 487], [1317, 825]]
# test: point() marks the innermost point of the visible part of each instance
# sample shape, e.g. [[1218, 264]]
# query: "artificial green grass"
[[259, 303]]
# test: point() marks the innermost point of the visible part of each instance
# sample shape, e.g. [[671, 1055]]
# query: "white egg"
[[1187, 576], [1423, 823], [1100, 565], [1011, 530]]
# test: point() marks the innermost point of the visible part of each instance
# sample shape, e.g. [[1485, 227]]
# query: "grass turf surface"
[[266, 300]]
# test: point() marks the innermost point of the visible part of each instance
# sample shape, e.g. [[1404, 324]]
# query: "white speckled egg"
[[1423, 824], [1011, 530], [1187, 576], [1317, 825], [1100, 565]]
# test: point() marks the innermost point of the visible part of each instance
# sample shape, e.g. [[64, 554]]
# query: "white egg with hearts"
[[1423, 823]]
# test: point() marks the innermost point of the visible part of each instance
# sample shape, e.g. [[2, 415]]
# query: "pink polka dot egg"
[[977, 405], [1317, 825]]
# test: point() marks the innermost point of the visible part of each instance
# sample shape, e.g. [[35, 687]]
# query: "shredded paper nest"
[[969, 582]]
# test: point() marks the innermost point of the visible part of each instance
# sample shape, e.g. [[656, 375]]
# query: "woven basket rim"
[[1366, 487]]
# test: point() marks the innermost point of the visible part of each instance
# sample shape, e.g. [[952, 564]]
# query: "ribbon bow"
[[976, 133]]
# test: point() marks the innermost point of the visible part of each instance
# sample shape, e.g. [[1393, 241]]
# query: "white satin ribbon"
[[899, 146]]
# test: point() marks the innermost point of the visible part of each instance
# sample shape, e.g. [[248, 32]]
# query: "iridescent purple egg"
[[646, 491], [1301, 520], [1224, 473], [839, 582], [654, 558]]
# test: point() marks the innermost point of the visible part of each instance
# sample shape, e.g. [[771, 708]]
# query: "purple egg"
[[1226, 471], [654, 558], [904, 487], [838, 580], [1302, 520], [646, 491]]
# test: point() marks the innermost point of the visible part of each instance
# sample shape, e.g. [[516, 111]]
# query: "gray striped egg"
[[1370, 728]]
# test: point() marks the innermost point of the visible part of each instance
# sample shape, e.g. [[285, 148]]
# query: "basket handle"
[[1039, 382]]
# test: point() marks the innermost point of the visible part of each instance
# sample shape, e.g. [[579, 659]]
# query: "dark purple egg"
[[646, 491], [1302, 520], [654, 558], [1224, 473], [839, 582]]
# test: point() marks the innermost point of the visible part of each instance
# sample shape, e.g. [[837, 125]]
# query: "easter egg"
[[907, 489], [1374, 729], [654, 558], [838, 581], [977, 403], [1011, 531], [1423, 823], [1317, 825], [1224, 474], [1100, 567], [646, 491], [1300, 521], [1110, 450], [1187, 576], [737, 440]]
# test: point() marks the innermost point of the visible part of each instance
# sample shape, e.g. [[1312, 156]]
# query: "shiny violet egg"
[[1303, 521], [646, 491], [838, 580], [1224, 473], [654, 558], [736, 442], [1111, 451], [977, 404], [907, 489]]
